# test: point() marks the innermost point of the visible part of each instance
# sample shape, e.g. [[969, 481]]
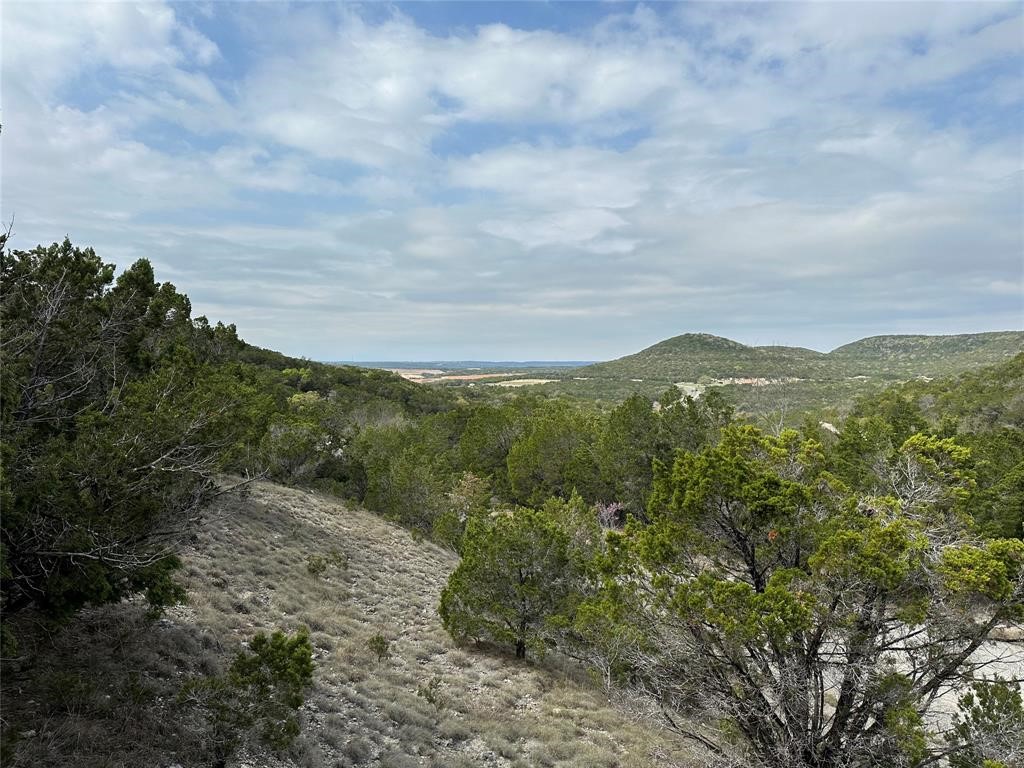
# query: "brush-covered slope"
[[927, 355], [693, 355], [429, 704], [802, 379]]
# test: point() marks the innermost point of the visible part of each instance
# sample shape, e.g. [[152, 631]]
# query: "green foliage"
[[988, 729], [486, 439], [991, 571], [981, 412], [260, 693], [431, 692], [118, 410], [380, 646], [294, 447], [317, 565], [554, 455], [406, 469], [999, 508], [469, 498], [761, 576], [690, 424], [626, 449], [516, 573]]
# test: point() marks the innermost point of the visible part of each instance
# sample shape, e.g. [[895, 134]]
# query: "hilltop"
[[694, 355]]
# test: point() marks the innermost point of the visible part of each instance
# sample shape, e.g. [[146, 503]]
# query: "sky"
[[432, 181]]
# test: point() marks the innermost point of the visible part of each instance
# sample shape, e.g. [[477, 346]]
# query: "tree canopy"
[[118, 410], [516, 573], [820, 623]]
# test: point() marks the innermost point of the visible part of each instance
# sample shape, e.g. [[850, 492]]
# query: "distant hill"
[[803, 378], [977, 401], [902, 356], [694, 355]]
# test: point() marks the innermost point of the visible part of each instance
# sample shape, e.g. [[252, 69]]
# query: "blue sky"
[[532, 180]]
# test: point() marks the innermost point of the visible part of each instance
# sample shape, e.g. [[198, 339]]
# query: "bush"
[[317, 565], [380, 646], [260, 693], [988, 730]]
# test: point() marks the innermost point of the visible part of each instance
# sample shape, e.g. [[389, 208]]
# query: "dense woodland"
[[783, 597]]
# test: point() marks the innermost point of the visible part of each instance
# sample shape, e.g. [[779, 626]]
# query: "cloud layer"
[[402, 183]]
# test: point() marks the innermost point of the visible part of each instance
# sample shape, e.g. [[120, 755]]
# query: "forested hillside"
[[691, 356], [762, 597], [984, 411], [790, 377], [907, 356], [694, 355], [120, 406]]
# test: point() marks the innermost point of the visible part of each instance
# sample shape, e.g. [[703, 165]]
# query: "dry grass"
[[428, 704]]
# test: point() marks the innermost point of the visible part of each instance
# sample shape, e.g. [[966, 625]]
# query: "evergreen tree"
[[819, 622], [515, 575]]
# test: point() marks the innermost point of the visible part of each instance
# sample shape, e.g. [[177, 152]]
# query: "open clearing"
[[520, 382]]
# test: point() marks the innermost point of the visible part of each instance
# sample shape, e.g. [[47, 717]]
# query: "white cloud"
[[715, 167], [549, 176], [574, 227], [46, 44]]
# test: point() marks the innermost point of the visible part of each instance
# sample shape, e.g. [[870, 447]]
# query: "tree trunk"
[[520, 649]]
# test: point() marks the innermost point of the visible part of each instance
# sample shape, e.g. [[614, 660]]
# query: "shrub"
[[380, 645], [260, 693], [988, 730], [317, 565], [516, 574]]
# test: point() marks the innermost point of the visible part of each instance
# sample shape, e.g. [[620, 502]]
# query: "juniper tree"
[[783, 620], [116, 415], [516, 573]]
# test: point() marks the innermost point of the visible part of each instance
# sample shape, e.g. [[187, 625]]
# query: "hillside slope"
[[429, 704], [758, 378], [927, 355], [693, 355]]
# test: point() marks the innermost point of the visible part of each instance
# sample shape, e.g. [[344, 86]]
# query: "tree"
[[468, 498], [554, 456], [691, 423], [626, 450], [485, 441], [988, 730], [516, 573], [259, 693], [298, 443], [116, 417], [407, 468], [815, 624]]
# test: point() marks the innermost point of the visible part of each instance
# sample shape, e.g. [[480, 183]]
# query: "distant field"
[[465, 365]]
